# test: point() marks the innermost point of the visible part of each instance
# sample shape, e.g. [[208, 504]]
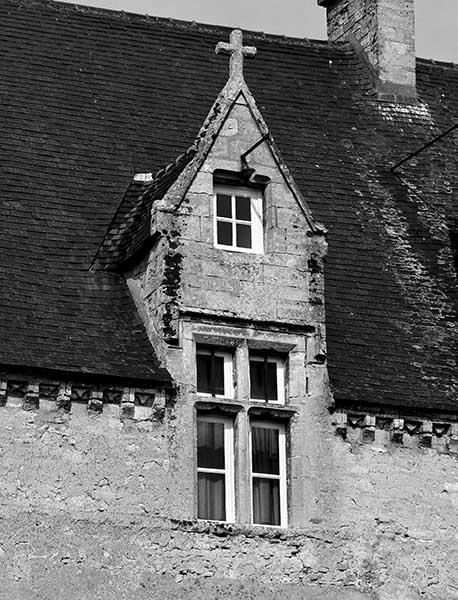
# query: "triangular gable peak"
[[130, 229], [235, 92], [234, 235]]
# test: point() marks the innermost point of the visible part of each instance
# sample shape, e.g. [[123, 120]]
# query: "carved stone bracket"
[[134, 403], [385, 429]]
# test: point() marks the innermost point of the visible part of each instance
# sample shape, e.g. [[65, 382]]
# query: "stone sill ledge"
[[272, 534]]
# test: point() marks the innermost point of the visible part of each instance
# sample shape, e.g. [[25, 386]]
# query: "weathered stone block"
[[368, 435], [31, 402], [397, 437], [127, 410], [385, 30]]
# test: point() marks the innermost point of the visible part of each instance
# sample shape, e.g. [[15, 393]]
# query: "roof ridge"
[[205, 27], [433, 62], [173, 22]]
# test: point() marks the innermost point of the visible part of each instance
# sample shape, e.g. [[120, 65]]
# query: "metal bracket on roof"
[[247, 172], [424, 147]]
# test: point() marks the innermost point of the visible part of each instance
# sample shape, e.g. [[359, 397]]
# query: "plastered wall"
[[91, 508]]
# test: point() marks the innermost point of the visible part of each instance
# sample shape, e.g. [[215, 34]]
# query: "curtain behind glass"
[[265, 459], [266, 501], [263, 380], [212, 496], [210, 374], [210, 445], [210, 455]]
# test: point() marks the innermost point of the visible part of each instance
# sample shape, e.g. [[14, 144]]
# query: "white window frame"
[[280, 377], [257, 232], [228, 470], [228, 372], [282, 468]]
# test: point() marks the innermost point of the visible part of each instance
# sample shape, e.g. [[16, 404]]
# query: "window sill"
[[266, 404], [226, 529], [239, 250], [224, 405], [216, 397], [271, 412]]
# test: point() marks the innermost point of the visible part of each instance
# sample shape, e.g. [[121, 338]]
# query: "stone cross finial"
[[237, 51]]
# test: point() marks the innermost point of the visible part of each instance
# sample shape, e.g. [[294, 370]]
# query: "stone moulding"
[[384, 430], [133, 402]]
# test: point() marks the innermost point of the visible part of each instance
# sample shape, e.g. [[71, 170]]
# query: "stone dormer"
[[384, 30], [231, 291], [232, 237]]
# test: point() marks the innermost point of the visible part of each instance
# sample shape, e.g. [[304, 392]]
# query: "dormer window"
[[238, 219]]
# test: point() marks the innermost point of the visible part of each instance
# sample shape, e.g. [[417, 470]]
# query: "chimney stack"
[[385, 31]]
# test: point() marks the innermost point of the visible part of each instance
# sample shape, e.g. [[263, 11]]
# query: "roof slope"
[[91, 97], [129, 231]]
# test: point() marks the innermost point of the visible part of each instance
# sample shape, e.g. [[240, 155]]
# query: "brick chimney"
[[385, 31]]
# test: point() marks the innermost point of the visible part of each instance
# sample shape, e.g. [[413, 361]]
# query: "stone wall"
[[385, 30], [91, 508], [354, 18], [273, 286], [185, 271]]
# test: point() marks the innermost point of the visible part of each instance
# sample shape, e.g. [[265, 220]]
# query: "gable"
[[267, 284]]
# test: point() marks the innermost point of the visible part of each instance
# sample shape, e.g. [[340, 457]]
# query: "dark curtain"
[[266, 501], [265, 459], [212, 496], [211, 486]]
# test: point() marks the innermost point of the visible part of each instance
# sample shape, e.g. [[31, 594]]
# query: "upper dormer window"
[[238, 219]]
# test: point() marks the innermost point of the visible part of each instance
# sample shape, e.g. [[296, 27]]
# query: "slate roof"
[[129, 232], [90, 97]]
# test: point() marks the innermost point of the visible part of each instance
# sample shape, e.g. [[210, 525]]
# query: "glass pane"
[[224, 233], [205, 383], [243, 236], [263, 378], [264, 442], [211, 496], [243, 208], [266, 501], [210, 445], [204, 373], [272, 381], [223, 205], [218, 382], [257, 379]]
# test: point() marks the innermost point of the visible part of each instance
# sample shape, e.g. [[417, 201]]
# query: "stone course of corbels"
[[134, 403], [385, 430]]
